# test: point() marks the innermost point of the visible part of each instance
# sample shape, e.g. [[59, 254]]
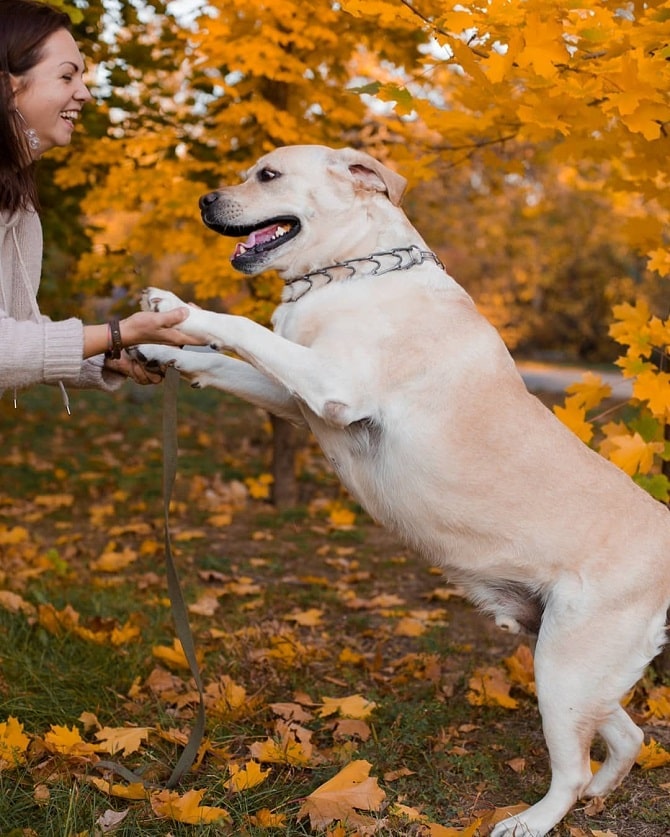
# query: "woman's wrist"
[[114, 339], [106, 338]]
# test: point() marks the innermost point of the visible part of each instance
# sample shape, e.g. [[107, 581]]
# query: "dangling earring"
[[30, 134]]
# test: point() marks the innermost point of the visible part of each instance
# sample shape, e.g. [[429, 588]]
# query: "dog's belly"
[[409, 498], [596, 523]]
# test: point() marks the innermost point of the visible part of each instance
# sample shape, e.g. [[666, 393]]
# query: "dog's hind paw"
[[514, 828]]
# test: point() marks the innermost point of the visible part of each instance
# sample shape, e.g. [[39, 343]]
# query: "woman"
[[42, 93]]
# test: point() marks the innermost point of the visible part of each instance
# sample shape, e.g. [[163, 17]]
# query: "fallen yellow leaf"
[[291, 746], [306, 618], [521, 668], [124, 740], [13, 743], [266, 819], [342, 797], [354, 706], [112, 561], [187, 809], [15, 603], [652, 755], [13, 535], [410, 627], [67, 741], [489, 687], [173, 657], [135, 790], [243, 778]]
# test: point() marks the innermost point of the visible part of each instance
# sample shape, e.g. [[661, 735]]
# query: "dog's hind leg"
[[568, 731], [623, 739], [583, 666], [571, 711]]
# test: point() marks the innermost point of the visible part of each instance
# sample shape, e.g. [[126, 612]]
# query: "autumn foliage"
[[535, 134], [535, 139]]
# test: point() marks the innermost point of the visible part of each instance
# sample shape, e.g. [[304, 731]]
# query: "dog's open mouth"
[[267, 237], [260, 238]]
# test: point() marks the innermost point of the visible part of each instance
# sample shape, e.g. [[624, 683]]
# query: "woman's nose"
[[83, 94]]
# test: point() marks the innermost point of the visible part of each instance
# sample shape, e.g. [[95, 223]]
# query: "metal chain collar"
[[403, 258]]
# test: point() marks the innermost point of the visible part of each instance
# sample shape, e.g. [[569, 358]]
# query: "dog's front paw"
[[194, 366], [154, 358], [155, 299]]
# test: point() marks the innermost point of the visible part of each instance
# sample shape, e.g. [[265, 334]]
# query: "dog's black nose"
[[208, 199]]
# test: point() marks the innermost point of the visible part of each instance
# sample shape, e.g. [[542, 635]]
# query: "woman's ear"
[[15, 83]]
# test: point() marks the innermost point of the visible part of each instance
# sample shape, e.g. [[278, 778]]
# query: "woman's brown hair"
[[24, 27]]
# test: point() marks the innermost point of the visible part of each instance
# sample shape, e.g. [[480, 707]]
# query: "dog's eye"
[[265, 175]]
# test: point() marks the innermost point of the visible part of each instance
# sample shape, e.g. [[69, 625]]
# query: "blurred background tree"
[[534, 137]]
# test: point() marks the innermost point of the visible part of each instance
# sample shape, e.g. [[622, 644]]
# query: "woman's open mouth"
[[70, 116]]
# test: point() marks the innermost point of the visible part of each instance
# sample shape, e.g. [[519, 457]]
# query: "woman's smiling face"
[[50, 96]]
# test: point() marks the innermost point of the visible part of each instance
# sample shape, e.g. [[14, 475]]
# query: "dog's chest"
[[300, 322]]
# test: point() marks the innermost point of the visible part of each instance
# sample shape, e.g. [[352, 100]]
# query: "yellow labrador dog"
[[417, 404]]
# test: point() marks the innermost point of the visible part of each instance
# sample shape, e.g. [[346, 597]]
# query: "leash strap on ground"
[[179, 611]]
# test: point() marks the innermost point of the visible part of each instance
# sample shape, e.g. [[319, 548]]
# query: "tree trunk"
[[285, 441]]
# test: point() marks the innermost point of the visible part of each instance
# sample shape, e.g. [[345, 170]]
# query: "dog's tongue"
[[257, 237]]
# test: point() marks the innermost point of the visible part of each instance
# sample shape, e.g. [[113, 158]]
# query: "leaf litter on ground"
[[348, 689]]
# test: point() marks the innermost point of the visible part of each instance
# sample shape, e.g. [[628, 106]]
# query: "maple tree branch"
[[408, 4], [475, 144]]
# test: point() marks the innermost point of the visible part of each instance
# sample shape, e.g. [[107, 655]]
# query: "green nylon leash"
[[177, 603]]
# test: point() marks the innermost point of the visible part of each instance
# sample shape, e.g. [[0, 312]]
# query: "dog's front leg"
[[210, 369], [318, 382]]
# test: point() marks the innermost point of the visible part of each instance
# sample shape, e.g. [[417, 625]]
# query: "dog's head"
[[302, 207]]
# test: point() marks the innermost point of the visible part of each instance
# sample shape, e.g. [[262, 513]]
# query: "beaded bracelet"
[[115, 344]]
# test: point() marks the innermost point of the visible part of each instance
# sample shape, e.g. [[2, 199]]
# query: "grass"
[[90, 484]]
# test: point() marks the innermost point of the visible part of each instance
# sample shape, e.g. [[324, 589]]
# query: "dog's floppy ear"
[[372, 175]]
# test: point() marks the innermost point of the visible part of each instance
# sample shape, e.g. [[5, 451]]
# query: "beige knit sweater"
[[33, 348]]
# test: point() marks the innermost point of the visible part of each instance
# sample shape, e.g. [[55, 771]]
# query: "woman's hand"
[[153, 327], [141, 327], [133, 369]]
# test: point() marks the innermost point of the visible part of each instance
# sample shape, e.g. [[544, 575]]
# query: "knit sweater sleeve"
[[48, 352]]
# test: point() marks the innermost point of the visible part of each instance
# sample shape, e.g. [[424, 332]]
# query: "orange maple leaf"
[[173, 657], [67, 741], [135, 790], [590, 391], [243, 778], [573, 415], [291, 746], [658, 703], [652, 755], [521, 668], [354, 706], [342, 797], [489, 687], [654, 388], [13, 743], [170, 805], [266, 819], [121, 739]]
